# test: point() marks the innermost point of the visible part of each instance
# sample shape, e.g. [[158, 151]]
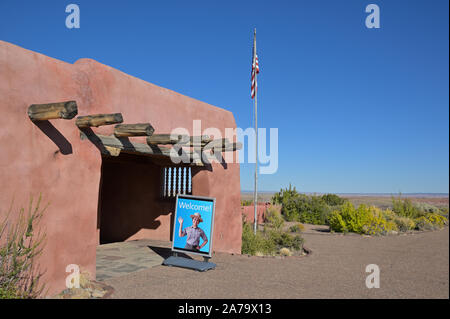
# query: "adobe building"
[[103, 187]]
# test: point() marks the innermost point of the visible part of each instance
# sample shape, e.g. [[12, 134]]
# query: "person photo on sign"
[[194, 233]]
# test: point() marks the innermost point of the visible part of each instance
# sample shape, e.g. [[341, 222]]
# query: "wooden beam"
[[202, 139], [61, 110], [127, 130], [113, 151], [98, 120], [166, 139], [230, 147], [127, 146], [218, 143], [110, 145], [163, 139]]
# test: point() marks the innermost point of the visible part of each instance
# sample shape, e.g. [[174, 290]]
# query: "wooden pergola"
[[193, 150]]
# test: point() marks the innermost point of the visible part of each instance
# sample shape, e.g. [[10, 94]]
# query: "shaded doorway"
[[130, 202]]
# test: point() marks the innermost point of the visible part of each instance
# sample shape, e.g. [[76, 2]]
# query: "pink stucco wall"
[[249, 213], [50, 158]]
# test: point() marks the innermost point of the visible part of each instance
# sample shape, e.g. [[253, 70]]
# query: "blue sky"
[[358, 110]]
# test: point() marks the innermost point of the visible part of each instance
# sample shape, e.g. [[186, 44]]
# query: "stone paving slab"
[[121, 258]]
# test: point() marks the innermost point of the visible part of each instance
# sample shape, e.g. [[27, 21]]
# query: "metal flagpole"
[[255, 196]]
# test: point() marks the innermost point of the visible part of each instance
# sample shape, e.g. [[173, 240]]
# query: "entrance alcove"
[[132, 202], [135, 211]]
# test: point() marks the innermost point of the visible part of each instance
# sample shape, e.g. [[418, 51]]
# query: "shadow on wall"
[[129, 199], [48, 129]]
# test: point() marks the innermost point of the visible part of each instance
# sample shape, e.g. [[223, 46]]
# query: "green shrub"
[[297, 228], [405, 208], [424, 216], [306, 209], [19, 277], [346, 219], [255, 243], [282, 239], [403, 223], [289, 209], [284, 195], [333, 199], [427, 208], [297, 242], [337, 222], [274, 218], [303, 208], [287, 199], [268, 242], [313, 210], [246, 202]]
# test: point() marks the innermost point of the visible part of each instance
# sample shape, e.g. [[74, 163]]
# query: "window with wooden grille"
[[176, 180]]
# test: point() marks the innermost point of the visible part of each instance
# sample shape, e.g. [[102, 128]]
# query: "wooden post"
[[61, 110], [98, 120], [141, 129]]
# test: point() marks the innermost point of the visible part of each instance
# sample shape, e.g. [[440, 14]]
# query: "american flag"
[[255, 68]]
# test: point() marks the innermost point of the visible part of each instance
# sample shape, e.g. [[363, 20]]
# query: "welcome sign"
[[194, 223]]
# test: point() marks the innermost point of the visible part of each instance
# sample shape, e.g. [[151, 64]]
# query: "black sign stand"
[[176, 261]]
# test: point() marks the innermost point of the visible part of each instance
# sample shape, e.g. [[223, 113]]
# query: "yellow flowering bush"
[[430, 221], [367, 220], [376, 223], [403, 223]]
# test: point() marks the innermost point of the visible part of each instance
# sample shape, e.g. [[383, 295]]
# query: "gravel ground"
[[411, 266]]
